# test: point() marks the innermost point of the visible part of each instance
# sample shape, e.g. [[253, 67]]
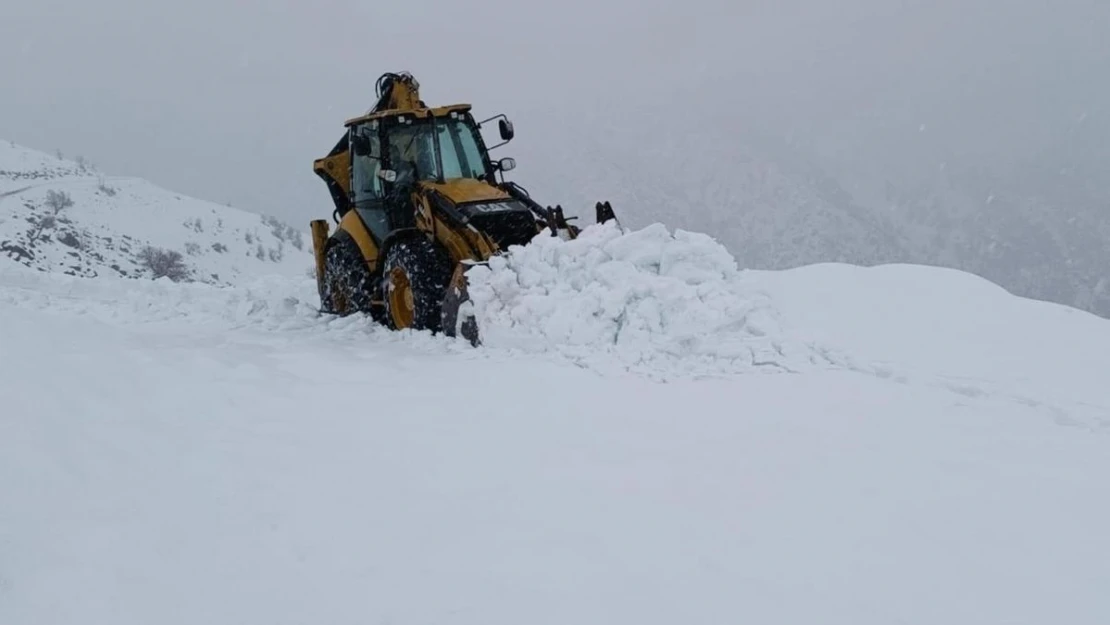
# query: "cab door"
[[367, 187]]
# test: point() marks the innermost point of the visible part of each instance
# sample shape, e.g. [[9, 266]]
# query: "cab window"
[[365, 165]]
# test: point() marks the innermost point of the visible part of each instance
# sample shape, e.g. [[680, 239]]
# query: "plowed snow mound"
[[649, 301], [272, 302]]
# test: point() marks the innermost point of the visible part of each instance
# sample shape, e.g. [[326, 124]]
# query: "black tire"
[[414, 265], [347, 285]]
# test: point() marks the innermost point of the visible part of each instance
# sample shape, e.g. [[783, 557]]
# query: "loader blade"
[[456, 311]]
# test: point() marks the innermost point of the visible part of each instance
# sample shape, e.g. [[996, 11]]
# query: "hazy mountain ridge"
[[771, 212], [1039, 230], [61, 215], [1045, 241], [1033, 242]]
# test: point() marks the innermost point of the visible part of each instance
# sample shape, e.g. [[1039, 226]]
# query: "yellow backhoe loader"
[[417, 203]]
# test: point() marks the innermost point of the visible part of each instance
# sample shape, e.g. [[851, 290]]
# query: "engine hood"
[[463, 190]]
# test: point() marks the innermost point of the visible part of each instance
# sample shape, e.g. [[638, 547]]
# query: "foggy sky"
[[231, 100]]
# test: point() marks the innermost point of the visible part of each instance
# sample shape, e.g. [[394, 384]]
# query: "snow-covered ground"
[[110, 220], [648, 435]]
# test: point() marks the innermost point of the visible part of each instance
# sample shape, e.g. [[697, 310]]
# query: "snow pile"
[[649, 301], [269, 304], [274, 307], [950, 329], [272, 301]]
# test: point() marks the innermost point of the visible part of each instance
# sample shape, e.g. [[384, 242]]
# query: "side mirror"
[[388, 175], [507, 164], [506, 128]]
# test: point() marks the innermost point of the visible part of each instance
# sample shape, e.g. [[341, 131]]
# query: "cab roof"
[[439, 111]]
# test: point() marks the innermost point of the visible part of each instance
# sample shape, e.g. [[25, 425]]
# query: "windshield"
[[414, 147]]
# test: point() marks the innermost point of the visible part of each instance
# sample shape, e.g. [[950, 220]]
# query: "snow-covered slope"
[[62, 216], [931, 449]]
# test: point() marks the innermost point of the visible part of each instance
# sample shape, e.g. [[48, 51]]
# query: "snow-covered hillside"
[[62, 216], [831, 444]]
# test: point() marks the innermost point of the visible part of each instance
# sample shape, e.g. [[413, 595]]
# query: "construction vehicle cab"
[[417, 202]]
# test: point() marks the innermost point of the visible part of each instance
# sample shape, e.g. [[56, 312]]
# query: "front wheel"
[[415, 276]]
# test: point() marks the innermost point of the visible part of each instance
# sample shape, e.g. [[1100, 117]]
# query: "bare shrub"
[[58, 201], [164, 263], [105, 188], [46, 222], [276, 227]]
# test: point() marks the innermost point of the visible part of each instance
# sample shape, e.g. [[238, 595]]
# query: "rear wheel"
[[415, 277], [347, 286]]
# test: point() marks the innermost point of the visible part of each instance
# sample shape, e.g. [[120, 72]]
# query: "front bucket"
[[457, 314]]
